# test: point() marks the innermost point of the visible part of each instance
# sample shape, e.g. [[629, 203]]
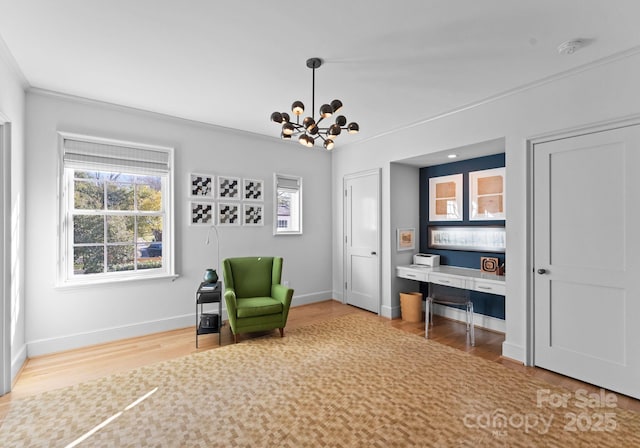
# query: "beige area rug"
[[348, 382]]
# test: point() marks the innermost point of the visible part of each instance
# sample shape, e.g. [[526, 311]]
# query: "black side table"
[[207, 323]]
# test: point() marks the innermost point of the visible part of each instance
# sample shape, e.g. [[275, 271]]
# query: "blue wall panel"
[[487, 304]]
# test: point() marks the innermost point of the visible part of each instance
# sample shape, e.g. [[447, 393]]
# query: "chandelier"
[[309, 130]]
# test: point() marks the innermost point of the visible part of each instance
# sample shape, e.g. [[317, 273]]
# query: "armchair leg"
[[281, 332]]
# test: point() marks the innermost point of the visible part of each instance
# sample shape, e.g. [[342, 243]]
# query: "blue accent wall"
[[487, 304]]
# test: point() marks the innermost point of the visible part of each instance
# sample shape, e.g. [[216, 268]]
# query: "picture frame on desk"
[[406, 239]]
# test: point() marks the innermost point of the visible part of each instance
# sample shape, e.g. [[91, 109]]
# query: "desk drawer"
[[411, 274], [447, 281], [489, 287]]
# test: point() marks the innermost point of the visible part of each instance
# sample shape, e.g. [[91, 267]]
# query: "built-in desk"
[[464, 278], [456, 277]]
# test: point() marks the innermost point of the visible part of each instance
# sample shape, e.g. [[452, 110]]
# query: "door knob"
[[542, 271], [373, 253]]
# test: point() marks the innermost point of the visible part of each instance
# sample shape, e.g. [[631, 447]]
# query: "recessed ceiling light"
[[452, 156]]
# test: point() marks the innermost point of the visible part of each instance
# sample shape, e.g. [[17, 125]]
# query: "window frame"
[[65, 255], [276, 188]]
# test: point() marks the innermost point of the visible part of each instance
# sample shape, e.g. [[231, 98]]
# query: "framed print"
[[228, 187], [252, 214], [252, 190], [487, 194], [228, 214], [406, 239], [201, 213], [445, 198], [201, 185], [479, 239]]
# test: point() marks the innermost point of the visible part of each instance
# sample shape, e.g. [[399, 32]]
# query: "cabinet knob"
[[542, 271]]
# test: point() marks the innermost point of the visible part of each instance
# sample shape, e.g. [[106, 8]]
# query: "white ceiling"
[[232, 63]]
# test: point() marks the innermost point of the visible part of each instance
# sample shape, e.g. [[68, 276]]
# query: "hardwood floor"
[[49, 372]]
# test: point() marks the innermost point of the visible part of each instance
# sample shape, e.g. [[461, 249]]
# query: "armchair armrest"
[[282, 293], [232, 305]]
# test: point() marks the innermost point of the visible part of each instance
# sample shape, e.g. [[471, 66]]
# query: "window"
[[115, 219], [288, 205]]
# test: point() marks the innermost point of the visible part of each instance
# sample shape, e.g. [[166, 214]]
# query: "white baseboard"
[[18, 361], [390, 312], [100, 336], [512, 351], [69, 342]]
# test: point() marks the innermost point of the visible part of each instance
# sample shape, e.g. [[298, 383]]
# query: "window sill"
[[78, 284]]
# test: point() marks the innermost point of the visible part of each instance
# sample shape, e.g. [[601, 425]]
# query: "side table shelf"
[[207, 323]]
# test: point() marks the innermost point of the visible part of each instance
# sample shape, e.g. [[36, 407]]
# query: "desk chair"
[[466, 301]]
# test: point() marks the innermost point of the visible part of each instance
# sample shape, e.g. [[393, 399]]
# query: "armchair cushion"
[[258, 306]]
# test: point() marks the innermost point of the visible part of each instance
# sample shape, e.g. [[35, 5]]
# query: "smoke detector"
[[570, 46]]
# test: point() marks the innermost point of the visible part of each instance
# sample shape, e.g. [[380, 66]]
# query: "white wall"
[[59, 319], [404, 212], [605, 91], [12, 110]]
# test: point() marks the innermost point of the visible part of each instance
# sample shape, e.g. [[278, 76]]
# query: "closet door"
[[362, 240], [587, 258]]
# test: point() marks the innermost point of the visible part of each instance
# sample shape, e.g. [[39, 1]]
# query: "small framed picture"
[[201, 185], [406, 239], [228, 187], [252, 214], [228, 214], [200, 213], [253, 190]]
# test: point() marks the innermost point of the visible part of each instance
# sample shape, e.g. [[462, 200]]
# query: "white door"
[[5, 258], [362, 240], [587, 258]]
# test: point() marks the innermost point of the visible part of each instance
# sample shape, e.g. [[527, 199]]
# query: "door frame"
[[592, 128], [5, 256], [377, 172]]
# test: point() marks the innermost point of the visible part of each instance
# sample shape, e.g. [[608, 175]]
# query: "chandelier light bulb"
[[288, 128], [336, 105], [326, 111], [276, 117], [308, 123], [353, 128], [297, 108], [328, 144], [341, 120]]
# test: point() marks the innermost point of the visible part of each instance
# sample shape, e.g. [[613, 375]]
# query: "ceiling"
[[392, 63]]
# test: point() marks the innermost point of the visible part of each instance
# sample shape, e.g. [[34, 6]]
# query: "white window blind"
[[131, 159]]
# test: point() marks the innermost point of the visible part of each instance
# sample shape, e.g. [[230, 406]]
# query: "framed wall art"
[[228, 214], [228, 187], [201, 213], [479, 239], [252, 214], [253, 190], [201, 185], [487, 195], [445, 198], [406, 239]]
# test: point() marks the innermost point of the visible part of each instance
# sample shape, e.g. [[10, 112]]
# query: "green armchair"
[[255, 299]]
